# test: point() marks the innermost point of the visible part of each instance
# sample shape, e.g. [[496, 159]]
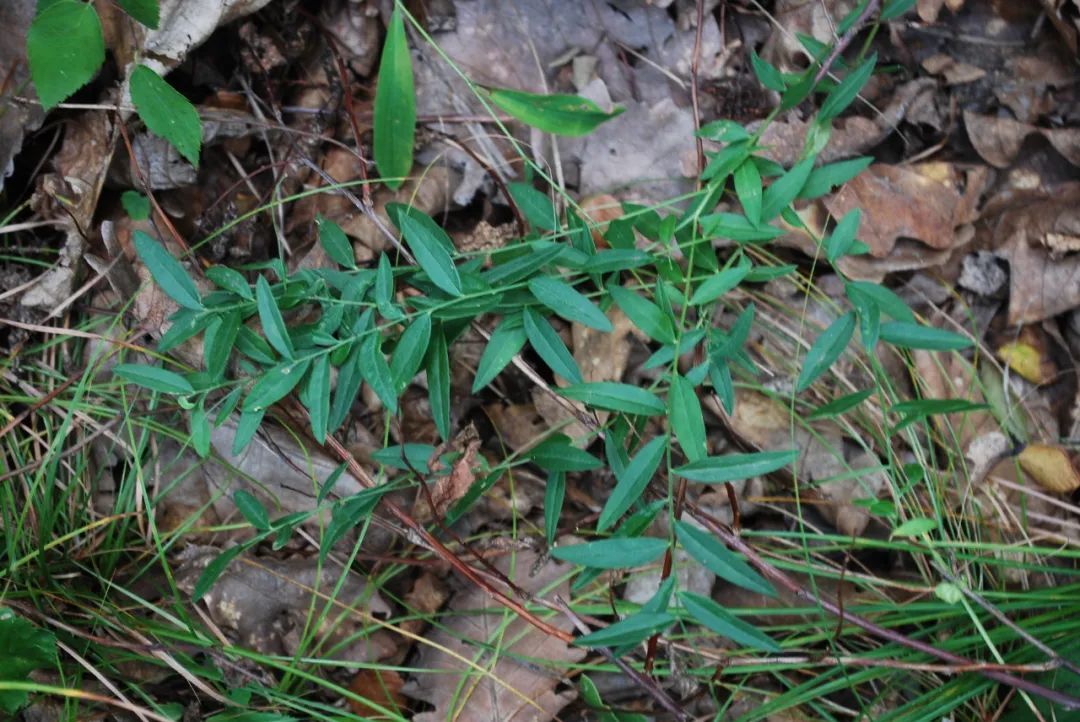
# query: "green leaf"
[[348, 514], [720, 560], [915, 527], [913, 335], [376, 371], [26, 648], [230, 280], [318, 397], [635, 628], [824, 179], [275, 385], [410, 351], [246, 428], [912, 411], [894, 9], [749, 191], [395, 106], [167, 272], [843, 236], [384, 291], [732, 467], [631, 483], [136, 205], [644, 314], [199, 427], [766, 74], [554, 494], [154, 378], [712, 615], [826, 349], [431, 254], [841, 96], [348, 387], [252, 509], [219, 342], [888, 302], [556, 454], [145, 11], [785, 189], [557, 113], [568, 303], [331, 481], [720, 376], [214, 570], [838, 406], [547, 344], [335, 242], [614, 553], [536, 206], [270, 316], [615, 396], [728, 278], [737, 228], [438, 378], [254, 346], [166, 112], [687, 421], [65, 48], [869, 313], [507, 340]]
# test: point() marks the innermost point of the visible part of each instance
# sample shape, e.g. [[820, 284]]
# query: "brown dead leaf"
[[600, 210], [954, 72], [427, 596], [523, 667], [381, 687], [998, 140], [1051, 466], [448, 489]]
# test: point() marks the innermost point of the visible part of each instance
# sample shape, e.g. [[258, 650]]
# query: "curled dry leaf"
[[448, 489], [998, 140], [381, 687], [1029, 356], [1051, 466]]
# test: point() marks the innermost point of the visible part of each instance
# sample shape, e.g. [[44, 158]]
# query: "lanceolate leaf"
[[376, 371], [826, 349], [615, 396], [166, 112], [615, 553], [686, 418], [547, 344], [785, 189], [726, 624], [720, 560], [631, 483], [732, 467], [335, 242], [913, 335], [568, 303], [252, 510], [506, 341], [145, 11], [748, 190], [272, 323], [318, 395], [154, 378], [410, 351], [275, 385], [554, 495], [644, 314], [559, 114], [431, 255], [635, 628], [557, 454], [65, 48], [536, 206], [438, 378], [167, 272], [841, 96], [395, 106]]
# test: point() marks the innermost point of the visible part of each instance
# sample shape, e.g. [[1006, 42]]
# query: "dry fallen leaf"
[[1051, 466], [379, 686], [451, 487], [1029, 356], [998, 140]]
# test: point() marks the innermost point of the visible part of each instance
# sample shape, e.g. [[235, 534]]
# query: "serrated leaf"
[[547, 344], [536, 206], [614, 396], [65, 48], [567, 302], [395, 106], [166, 112], [554, 494], [749, 191], [252, 510], [635, 628], [275, 385], [631, 482], [713, 616], [687, 421], [558, 454], [335, 242], [431, 255], [913, 335], [826, 349], [318, 397], [146, 12], [720, 560], [556, 113], [614, 553], [376, 371], [167, 272], [410, 351], [154, 378], [438, 378], [273, 324], [841, 96], [507, 340], [733, 467], [644, 314], [785, 189]]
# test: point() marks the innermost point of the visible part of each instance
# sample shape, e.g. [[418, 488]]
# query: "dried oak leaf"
[[451, 487], [515, 679], [998, 140]]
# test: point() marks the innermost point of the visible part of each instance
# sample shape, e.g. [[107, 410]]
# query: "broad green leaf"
[[843, 236], [273, 324], [712, 615], [732, 467], [841, 96], [438, 378], [557, 454], [219, 342], [838, 406], [228, 406], [614, 553], [557, 113], [214, 570], [564, 300], [154, 378], [723, 131], [798, 89], [536, 206], [826, 349], [65, 48], [410, 351], [376, 371], [766, 74], [631, 482], [824, 179], [167, 272], [254, 346], [318, 395], [348, 387], [717, 285], [230, 280], [913, 335], [275, 385], [26, 648], [554, 494], [507, 340], [384, 290], [547, 344], [635, 628], [869, 312], [166, 112], [252, 510], [335, 242], [720, 560], [614, 396], [246, 428], [785, 189], [644, 314], [915, 527], [748, 189], [687, 421], [199, 427], [432, 255], [136, 205], [145, 11], [395, 106]]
